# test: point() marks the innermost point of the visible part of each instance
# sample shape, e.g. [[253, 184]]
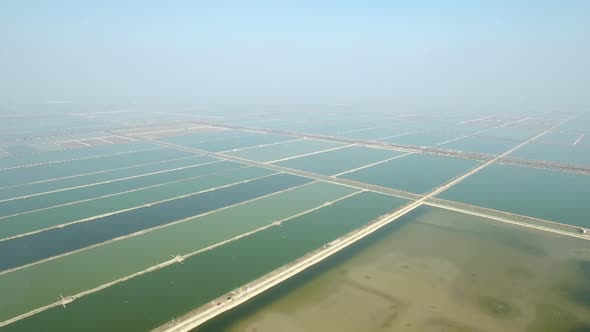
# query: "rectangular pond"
[[118, 203], [156, 165], [284, 150], [147, 301], [234, 140], [56, 156], [114, 186], [485, 144], [539, 193], [571, 154], [44, 171], [334, 162], [417, 173]]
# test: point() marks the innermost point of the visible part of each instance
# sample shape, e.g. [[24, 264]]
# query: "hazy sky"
[[494, 53]]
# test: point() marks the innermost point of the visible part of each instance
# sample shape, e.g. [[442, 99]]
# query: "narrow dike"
[[26, 250]]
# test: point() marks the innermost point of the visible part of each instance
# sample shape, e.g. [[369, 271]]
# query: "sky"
[[491, 54]]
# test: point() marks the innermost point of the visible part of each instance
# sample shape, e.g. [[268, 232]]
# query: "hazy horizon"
[[521, 55]]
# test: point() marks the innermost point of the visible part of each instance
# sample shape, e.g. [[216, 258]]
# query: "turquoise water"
[[566, 153], [422, 139], [284, 150], [562, 138], [540, 193], [75, 153], [49, 171], [518, 134], [226, 140], [415, 173], [121, 258], [241, 142], [62, 197], [439, 271], [376, 133], [158, 164], [206, 136], [327, 128], [50, 243], [40, 124], [432, 270], [152, 299], [42, 219], [334, 162], [19, 149], [485, 144]]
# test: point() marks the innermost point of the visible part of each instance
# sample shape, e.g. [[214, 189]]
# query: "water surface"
[[433, 271]]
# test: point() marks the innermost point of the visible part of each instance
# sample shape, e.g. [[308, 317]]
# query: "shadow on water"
[[227, 319]]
